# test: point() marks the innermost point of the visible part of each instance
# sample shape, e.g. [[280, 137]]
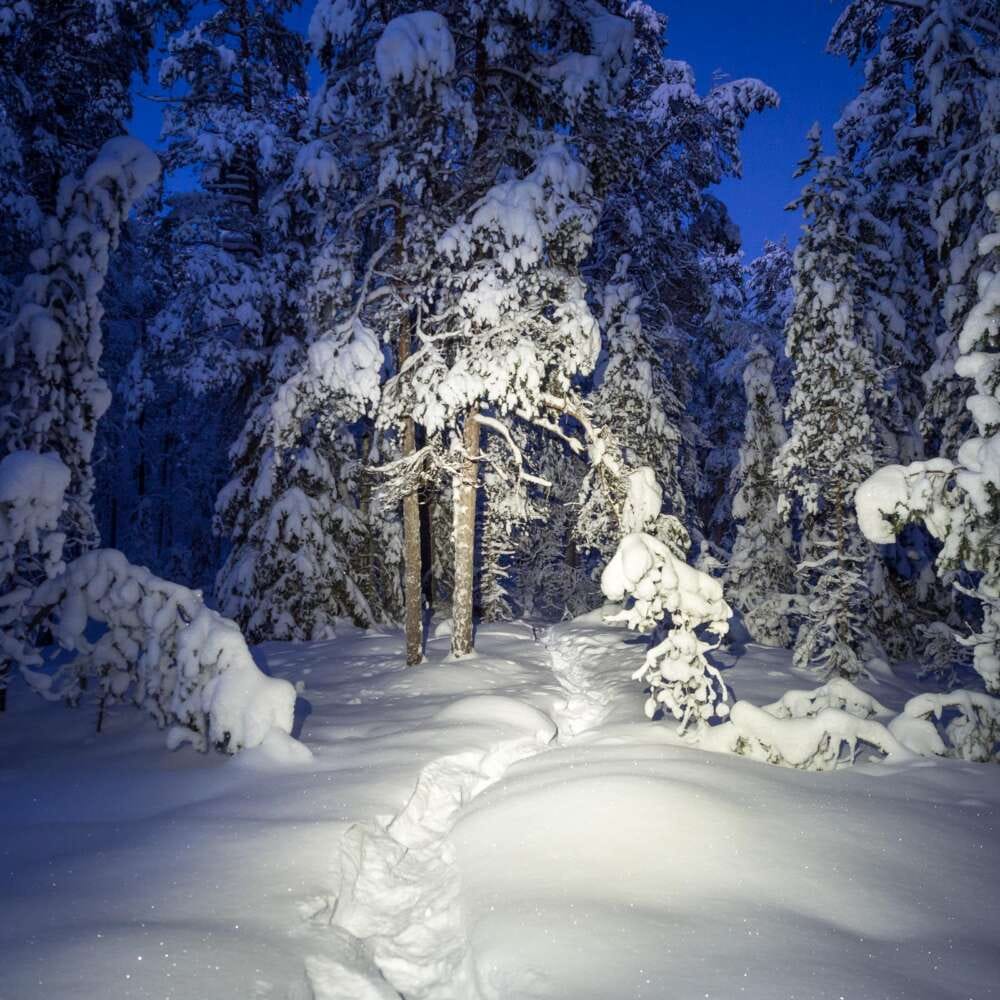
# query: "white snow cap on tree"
[[416, 50]]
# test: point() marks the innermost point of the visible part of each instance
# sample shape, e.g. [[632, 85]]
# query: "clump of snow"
[[643, 501], [161, 648], [332, 21], [416, 50], [971, 732], [32, 488], [837, 693], [895, 493]]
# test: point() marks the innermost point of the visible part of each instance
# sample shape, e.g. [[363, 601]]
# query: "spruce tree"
[[832, 443], [759, 577]]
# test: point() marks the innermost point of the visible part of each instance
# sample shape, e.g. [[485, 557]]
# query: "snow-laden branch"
[[500, 428]]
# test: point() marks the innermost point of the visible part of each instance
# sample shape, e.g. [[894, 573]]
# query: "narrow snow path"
[[399, 926]]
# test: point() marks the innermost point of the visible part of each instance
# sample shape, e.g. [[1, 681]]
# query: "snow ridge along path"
[[400, 924]]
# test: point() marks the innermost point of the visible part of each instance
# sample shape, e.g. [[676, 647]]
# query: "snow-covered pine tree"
[[921, 132], [832, 443], [51, 390], [769, 287], [770, 298], [66, 73], [759, 577], [238, 76], [919, 139], [959, 501], [252, 248], [506, 326], [670, 144]]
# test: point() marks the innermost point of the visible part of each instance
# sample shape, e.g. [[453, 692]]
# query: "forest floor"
[[507, 826]]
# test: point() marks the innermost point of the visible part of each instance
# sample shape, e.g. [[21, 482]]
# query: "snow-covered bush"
[[816, 742], [154, 643], [964, 724], [816, 730], [645, 568], [838, 693]]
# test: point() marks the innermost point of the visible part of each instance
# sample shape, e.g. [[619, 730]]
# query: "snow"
[[32, 487], [415, 49], [643, 501], [32, 479], [332, 20], [161, 648], [611, 860]]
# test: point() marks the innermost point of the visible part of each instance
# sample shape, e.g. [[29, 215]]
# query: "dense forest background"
[[398, 341]]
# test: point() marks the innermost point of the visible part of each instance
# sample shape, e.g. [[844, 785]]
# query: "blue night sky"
[[783, 42], [780, 41]]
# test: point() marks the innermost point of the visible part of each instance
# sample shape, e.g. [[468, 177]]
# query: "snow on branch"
[[415, 50], [820, 742], [159, 646], [968, 725], [644, 568]]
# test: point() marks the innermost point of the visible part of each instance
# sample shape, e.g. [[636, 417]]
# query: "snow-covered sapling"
[[648, 569]]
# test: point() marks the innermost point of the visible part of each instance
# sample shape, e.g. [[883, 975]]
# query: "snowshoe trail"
[[588, 704], [397, 916]]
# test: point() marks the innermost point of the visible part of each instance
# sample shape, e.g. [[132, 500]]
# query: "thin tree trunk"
[[412, 584], [466, 490]]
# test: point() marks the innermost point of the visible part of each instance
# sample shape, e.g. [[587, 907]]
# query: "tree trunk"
[[466, 490], [412, 583]]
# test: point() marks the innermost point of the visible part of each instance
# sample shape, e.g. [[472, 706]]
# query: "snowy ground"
[[505, 827]]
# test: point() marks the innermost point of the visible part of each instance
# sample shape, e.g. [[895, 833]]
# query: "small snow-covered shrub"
[[816, 730], [964, 724], [155, 643], [838, 693], [819, 742], [679, 677]]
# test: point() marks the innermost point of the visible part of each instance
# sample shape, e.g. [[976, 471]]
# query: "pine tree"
[[66, 72], [832, 444], [759, 577], [51, 390], [959, 501]]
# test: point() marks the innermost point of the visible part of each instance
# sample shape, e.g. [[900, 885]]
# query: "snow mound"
[[501, 712], [821, 742], [277, 750]]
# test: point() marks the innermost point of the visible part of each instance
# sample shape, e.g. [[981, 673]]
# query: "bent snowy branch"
[[158, 646]]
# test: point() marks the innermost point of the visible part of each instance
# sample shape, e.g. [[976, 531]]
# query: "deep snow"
[[507, 826]]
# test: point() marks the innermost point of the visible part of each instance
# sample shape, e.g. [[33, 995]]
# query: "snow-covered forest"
[[526, 589]]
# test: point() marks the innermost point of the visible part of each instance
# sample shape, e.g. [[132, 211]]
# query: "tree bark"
[[466, 491], [412, 582]]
